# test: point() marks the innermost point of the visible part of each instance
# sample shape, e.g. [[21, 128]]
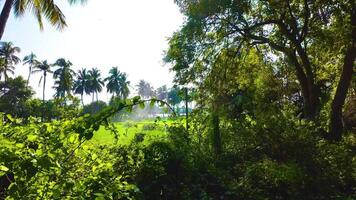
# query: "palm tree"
[[81, 84], [32, 61], [8, 58], [145, 89], [118, 83], [40, 8], [95, 82], [64, 78], [162, 93], [124, 85], [44, 68]]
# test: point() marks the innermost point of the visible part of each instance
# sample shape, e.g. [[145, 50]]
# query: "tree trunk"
[[44, 87], [29, 74], [336, 124], [312, 88], [308, 88], [97, 99], [81, 97], [43, 95], [92, 98], [5, 76], [304, 70], [4, 16], [216, 133], [186, 109]]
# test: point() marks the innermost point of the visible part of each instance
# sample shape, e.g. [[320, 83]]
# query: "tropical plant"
[[64, 78], [95, 82], [13, 95], [174, 97], [81, 84], [43, 67], [40, 8], [31, 61], [94, 107], [8, 58], [124, 85], [144, 89], [117, 83], [162, 93]]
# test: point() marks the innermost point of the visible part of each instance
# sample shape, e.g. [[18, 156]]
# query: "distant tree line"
[[16, 92]]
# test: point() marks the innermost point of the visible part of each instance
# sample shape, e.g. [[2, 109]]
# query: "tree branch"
[[306, 21]]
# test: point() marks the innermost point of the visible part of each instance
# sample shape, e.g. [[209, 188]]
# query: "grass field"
[[145, 131]]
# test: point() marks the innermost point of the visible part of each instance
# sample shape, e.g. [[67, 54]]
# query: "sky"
[[129, 34]]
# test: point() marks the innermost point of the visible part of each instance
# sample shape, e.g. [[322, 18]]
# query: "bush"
[[269, 157], [94, 107], [149, 127]]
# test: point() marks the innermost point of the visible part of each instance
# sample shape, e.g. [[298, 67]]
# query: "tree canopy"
[[293, 33]]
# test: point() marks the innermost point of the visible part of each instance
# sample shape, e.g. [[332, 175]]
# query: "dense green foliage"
[[94, 107], [275, 158], [272, 88]]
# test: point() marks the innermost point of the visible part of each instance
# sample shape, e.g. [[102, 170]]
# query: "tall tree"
[[40, 8], [336, 123], [145, 89], [31, 61], [124, 86], [43, 67], [162, 93], [174, 97], [297, 32], [117, 83], [13, 95], [81, 84], [64, 78], [8, 58], [95, 82]]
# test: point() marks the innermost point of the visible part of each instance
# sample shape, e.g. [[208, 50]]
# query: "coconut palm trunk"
[[81, 97], [29, 74], [43, 95], [4, 16], [5, 76], [44, 86]]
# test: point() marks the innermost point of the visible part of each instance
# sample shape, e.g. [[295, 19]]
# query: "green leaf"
[[9, 117], [99, 196], [39, 152], [3, 168], [71, 138], [49, 128], [31, 138], [20, 145], [162, 103], [152, 102], [142, 105], [136, 99]]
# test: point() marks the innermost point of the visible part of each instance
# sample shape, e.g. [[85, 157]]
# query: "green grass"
[[129, 129]]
